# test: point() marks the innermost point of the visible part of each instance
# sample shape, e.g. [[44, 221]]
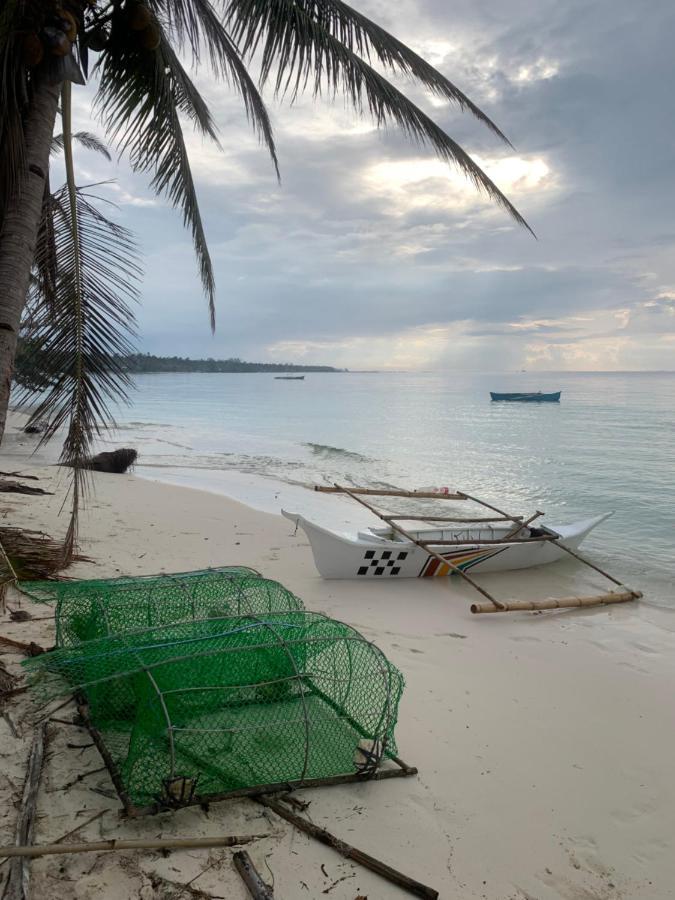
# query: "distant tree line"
[[34, 372], [146, 362]]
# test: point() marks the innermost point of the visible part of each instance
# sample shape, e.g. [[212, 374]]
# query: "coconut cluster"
[[59, 31], [56, 37]]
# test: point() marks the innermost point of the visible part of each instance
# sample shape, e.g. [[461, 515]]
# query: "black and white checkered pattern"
[[383, 562]]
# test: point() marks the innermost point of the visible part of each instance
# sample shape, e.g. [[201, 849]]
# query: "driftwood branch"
[[30, 649], [15, 487], [257, 888], [369, 862], [230, 840], [18, 882]]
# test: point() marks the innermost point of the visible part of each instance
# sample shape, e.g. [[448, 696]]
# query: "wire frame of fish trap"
[[46, 591], [98, 609], [203, 710]]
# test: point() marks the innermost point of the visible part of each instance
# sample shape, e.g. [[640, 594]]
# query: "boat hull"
[[340, 556], [527, 398]]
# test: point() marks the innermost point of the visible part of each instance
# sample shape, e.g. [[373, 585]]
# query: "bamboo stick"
[[18, 881], [493, 508], [257, 888], [230, 840], [417, 495], [110, 765], [430, 518], [478, 543], [559, 602], [353, 778], [369, 862], [426, 549]]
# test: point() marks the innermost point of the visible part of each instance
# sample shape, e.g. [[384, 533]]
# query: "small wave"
[[326, 451]]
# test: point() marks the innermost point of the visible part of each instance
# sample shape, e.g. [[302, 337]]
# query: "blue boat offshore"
[[536, 397]]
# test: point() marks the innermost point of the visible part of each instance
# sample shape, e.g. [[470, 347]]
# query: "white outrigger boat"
[[451, 545], [387, 552]]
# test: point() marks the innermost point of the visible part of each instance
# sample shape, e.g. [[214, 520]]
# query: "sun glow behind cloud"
[[419, 182]]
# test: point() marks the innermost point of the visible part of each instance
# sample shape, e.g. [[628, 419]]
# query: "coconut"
[[69, 23], [33, 50], [97, 39], [151, 37], [56, 40], [138, 16]]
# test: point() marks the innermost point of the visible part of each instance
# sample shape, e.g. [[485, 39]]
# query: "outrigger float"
[[449, 545]]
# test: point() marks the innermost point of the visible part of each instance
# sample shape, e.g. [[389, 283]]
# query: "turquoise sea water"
[[609, 445]]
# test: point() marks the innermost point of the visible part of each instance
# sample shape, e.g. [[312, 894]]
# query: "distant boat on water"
[[289, 377], [536, 397]]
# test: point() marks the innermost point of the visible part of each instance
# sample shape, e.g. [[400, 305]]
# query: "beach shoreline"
[[544, 742]]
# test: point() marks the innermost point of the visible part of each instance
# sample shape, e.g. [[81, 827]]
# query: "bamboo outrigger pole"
[[625, 595]]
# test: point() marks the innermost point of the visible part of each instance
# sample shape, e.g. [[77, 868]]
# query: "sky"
[[373, 254]]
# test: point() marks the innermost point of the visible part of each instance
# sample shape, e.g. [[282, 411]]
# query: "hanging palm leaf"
[[78, 341]]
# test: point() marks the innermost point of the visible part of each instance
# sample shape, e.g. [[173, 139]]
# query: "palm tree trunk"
[[18, 232]]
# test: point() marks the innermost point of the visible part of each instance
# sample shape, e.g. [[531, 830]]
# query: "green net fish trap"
[[97, 609], [201, 710]]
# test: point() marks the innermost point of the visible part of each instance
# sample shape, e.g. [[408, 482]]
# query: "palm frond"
[[78, 340], [252, 18], [140, 97], [86, 139], [197, 24], [295, 39]]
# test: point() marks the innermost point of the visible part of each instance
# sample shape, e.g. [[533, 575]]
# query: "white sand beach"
[[544, 741]]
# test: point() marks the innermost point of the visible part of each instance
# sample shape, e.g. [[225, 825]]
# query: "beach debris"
[[28, 851], [112, 461], [32, 554], [257, 888], [19, 475], [15, 487], [7, 681], [416, 888], [11, 724], [19, 615], [37, 427], [28, 649], [17, 886]]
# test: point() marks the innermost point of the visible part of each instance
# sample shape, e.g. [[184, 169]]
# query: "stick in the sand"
[[18, 882], [369, 862], [257, 888], [30, 850], [72, 831]]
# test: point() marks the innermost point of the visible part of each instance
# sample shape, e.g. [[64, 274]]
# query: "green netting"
[[98, 609], [206, 707], [45, 591]]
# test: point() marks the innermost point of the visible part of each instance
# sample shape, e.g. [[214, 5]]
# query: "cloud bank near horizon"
[[372, 254]]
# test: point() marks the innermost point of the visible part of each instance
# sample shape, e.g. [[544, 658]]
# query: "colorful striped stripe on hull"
[[461, 559]]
